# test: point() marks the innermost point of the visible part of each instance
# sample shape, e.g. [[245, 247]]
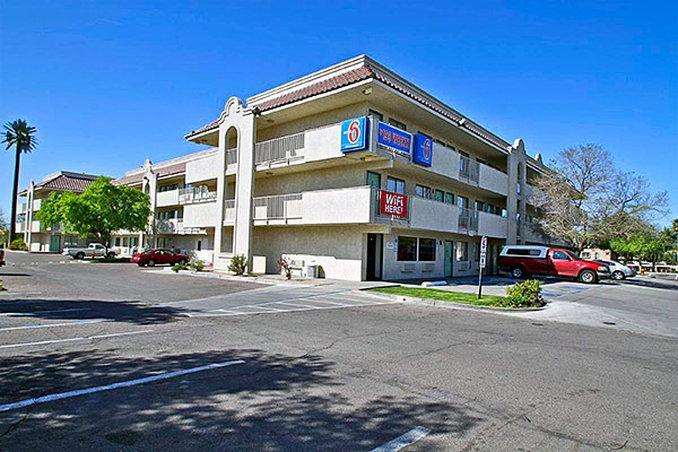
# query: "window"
[[480, 206], [198, 245], [585, 254], [423, 191], [125, 241], [462, 251], [396, 123], [462, 201], [524, 251], [395, 185], [560, 256], [407, 248], [427, 250], [374, 180], [438, 195], [117, 241], [375, 114], [449, 198]]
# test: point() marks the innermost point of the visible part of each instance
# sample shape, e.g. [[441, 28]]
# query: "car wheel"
[[518, 273], [140, 264], [151, 263], [111, 255], [618, 275], [588, 277], [80, 255]]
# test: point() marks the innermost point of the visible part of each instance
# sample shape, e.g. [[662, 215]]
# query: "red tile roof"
[[362, 73], [67, 182], [162, 171]]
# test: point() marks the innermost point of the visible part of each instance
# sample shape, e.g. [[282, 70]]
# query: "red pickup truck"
[[521, 261]]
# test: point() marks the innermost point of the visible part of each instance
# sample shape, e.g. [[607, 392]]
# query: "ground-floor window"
[[407, 248], [462, 251], [117, 241], [427, 250]]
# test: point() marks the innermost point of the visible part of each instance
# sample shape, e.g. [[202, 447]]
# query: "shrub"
[[239, 264], [2, 287], [196, 265], [526, 294], [178, 266], [284, 267], [18, 245]]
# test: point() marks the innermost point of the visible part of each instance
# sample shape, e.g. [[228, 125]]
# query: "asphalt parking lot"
[[111, 357]]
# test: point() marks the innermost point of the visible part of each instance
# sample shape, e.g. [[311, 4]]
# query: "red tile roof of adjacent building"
[[362, 73], [67, 181]]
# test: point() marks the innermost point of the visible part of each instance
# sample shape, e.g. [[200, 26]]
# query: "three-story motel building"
[[351, 172]]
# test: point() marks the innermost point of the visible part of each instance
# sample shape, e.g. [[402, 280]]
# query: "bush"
[[196, 265], [18, 245], [178, 266], [2, 287], [526, 294], [284, 267], [239, 264]]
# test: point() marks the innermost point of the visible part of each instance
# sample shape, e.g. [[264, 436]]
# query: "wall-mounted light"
[[367, 91]]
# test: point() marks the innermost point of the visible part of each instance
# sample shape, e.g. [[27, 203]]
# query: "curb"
[[455, 305]]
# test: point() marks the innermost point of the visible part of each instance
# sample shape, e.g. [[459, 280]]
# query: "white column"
[[244, 188]]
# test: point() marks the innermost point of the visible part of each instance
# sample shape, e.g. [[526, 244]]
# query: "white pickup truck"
[[92, 251]]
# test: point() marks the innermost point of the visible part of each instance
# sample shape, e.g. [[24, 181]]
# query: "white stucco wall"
[[200, 215], [493, 180], [492, 225], [202, 169]]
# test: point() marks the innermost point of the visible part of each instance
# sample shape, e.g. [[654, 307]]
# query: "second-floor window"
[[449, 198], [423, 191], [439, 195], [396, 123], [462, 202], [395, 185]]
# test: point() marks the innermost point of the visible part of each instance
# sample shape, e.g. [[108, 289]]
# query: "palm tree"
[[22, 136]]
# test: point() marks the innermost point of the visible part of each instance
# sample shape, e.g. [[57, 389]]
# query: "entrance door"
[[55, 243], [449, 256], [374, 249]]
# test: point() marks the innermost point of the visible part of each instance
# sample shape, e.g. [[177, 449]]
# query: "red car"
[[157, 256], [521, 261]]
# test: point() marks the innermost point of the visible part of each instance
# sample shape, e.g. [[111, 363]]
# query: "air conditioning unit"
[[408, 268], [427, 267]]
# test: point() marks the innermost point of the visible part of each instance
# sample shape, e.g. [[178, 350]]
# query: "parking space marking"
[[121, 384], [405, 440], [51, 325], [74, 339], [317, 302]]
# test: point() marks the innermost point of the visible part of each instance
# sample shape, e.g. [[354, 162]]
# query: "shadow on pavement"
[[118, 311], [647, 282], [272, 402]]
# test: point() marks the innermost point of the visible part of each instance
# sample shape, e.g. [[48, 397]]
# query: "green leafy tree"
[[99, 211], [19, 135], [646, 246]]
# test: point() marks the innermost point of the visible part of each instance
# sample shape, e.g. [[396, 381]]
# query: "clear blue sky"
[[109, 84]]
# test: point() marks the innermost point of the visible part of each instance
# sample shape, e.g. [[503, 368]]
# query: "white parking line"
[[50, 325], [51, 311], [274, 310], [405, 440], [122, 384], [74, 339]]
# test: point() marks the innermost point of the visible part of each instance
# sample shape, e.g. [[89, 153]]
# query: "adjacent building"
[[40, 237], [351, 172]]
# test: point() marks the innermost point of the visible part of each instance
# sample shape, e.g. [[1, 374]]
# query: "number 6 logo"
[[354, 131]]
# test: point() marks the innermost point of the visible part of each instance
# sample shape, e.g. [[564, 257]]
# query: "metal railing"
[[231, 156], [194, 195], [166, 226], [278, 207], [468, 219], [279, 149], [469, 169]]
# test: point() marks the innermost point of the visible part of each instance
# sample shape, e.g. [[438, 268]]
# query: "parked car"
[[92, 251], [155, 256], [617, 270], [522, 261]]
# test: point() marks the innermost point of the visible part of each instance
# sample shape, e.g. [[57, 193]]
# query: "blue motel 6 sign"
[[394, 139], [422, 153], [354, 134]]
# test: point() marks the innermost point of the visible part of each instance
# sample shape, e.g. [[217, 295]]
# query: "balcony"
[[468, 220], [36, 204], [278, 209], [469, 170], [229, 212], [167, 198], [433, 215], [283, 150], [196, 195], [36, 226], [20, 227], [176, 226], [492, 225]]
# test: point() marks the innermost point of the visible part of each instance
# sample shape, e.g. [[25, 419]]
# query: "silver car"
[[617, 270]]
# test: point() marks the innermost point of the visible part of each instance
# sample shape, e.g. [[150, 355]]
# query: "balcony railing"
[[468, 219], [168, 226], [231, 156], [469, 169], [281, 149], [195, 195], [229, 210], [278, 207]]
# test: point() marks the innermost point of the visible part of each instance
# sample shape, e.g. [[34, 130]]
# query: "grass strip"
[[441, 295]]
